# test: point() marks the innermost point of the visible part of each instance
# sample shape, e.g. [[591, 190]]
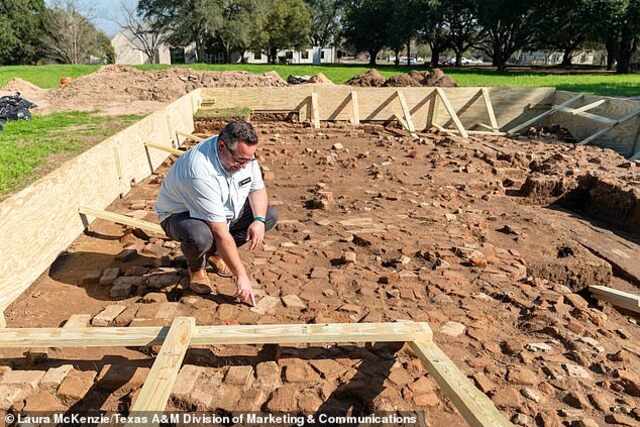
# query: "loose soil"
[[471, 235], [372, 78]]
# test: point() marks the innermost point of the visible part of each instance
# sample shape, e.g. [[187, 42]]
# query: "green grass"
[[30, 149], [598, 83]]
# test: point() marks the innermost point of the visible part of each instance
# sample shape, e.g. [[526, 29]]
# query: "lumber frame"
[[489, 106], [315, 110], [156, 390], [121, 219], [452, 113], [618, 298], [355, 110], [476, 408], [190, 136], [164, 148], [408, 122], [541, 116], [615, 123]]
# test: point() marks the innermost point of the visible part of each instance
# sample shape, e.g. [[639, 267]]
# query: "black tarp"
[[14, 107]]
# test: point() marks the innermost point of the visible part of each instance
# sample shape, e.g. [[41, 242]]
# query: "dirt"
[[380, 227], [372, 78]]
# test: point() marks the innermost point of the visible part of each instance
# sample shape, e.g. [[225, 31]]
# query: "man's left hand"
[[255, 234]]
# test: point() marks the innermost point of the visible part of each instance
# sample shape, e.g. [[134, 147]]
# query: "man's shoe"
[[219, 266], [199, 282]]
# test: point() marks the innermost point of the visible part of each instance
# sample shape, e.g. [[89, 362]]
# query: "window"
[[289, 54], [322, 54], [305, 54], [257, 55]]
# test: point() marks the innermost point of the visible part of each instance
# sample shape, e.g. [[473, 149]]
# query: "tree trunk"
[[372, 56], [435, 57], [612, 52], [625, 54], [458, 57], [566, 57], [397, 60], [409, 51]]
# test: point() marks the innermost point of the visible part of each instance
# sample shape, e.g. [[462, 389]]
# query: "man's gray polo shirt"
[[198, 183]]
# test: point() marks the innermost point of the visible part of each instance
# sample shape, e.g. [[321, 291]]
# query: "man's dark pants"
[[196, 238]]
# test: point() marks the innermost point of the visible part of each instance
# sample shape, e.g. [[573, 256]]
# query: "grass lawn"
[[48, 76], [30, 149]]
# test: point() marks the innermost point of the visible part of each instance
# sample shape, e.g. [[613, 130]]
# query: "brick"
[[299, 371], [121, 290], [92, 278], [240, 376], [519, 375], [121, 378], [78, 321], [54, 377], [293, 301], [268, 374], [226, 397], [29, 378], [328, 368], [400, 377], [125, 318], [76, 385], [483, 383], [126, 255], [108, 315], [157, 297], [284, 399], [168, 310], [251, 400], [43, 401], [109, 276], [201, 397], [187, 379], [366, 239], [12, 393], [265, 304]]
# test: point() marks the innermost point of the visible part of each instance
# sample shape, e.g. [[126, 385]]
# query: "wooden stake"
[[432, 115], [355, 110], [164, 372], [407, 114], [315, 111], [490, 112], [116, 156], [476, 408], [452, 113], [529, 122], [121, 219], [190, 136], [164, 148]]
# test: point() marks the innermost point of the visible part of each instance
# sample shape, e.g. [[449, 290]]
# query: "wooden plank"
[[590, 106], [452, 113], [190, 136], [406, 114], [586, 115], [476, 408], [164, 372], [470, 132], [607, 129], [616, 297], [219, 334], [432, 115], [164, 148], [116, 158], [315, 110], [489, 106], [543, 115], [355, 110], [121, 219]]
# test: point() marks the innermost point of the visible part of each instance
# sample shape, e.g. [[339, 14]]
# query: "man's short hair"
[[238, 130]]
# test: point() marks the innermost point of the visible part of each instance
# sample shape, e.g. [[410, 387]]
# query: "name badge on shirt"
[[244, 182]]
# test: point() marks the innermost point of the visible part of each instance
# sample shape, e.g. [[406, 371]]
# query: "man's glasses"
[[240, 161]]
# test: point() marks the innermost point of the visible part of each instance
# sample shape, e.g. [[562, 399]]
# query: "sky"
[[104, 13]]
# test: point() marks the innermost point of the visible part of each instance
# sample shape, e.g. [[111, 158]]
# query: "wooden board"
[[43, 218], [511, 105], [622, 138], [209, 335], [156, 390], [476, 408], [122, 219], [616, 297]]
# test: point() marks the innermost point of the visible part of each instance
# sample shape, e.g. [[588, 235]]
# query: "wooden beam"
[[616, 297], [607, 129], [470, 132], [164, 372], [407, 114], [188, 135], [529, 122], [432, 114], [116, 157], [121, 219], [355, 109], [452, 112], [590, 106], [164, 148], [490, 111], [584, 114], [315, 110], [220, 334], [3, 320], [476, 408]]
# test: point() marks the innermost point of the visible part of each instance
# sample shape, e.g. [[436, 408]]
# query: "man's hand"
[[245, 290], [255, 233]]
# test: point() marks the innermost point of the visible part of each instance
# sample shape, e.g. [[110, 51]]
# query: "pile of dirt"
[[373, 78], [320, 78], [122, 85], [17, 84]]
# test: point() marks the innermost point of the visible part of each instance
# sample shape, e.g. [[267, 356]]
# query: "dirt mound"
[[122, 85], [370, 78], [320, 78], [16, 84]]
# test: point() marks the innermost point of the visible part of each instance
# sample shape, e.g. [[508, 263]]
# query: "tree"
[[629, 35], [368, 26], [69, 36], [148, 35], [327, 17], [464, 32], [287, 23], [21, 23], [405, 22], [509, 25], [435, 31], [231, 24]]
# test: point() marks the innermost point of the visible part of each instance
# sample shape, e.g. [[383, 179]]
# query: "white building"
[[549, 57]]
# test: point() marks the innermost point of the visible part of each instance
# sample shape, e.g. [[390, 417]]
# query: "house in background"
[[548, 57], [129, 51]]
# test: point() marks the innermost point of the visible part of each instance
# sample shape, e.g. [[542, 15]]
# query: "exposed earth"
[[491, 240]]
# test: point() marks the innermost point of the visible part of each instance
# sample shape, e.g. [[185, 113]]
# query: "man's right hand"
[[245, 290]]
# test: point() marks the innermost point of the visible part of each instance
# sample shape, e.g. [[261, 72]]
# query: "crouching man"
[[214, 200]]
